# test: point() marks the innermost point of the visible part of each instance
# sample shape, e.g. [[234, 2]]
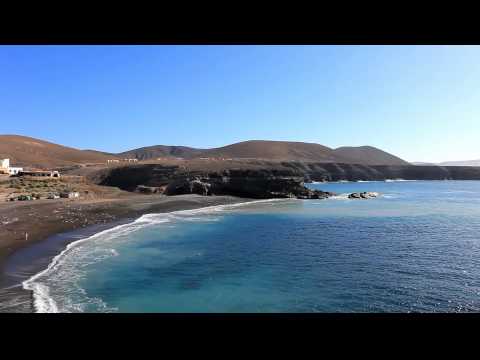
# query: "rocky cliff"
[[173, 180], [268, 180]]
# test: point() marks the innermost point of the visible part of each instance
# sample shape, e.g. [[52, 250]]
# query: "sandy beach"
[[27, 227]]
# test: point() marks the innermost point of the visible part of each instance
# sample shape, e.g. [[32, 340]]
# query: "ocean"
[[416, 248]]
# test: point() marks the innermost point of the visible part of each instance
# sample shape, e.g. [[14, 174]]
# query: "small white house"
[[70, 195], [4, 163], [14, 170]]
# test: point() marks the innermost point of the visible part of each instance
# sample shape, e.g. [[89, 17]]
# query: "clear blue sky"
[[421, 103]]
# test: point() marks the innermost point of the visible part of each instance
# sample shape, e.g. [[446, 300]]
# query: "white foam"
[[332, 182], [114, 252], [360, 181], [44, 303], [397, 180], [344, 196], [369, 181], [340, 197], [391, 196]]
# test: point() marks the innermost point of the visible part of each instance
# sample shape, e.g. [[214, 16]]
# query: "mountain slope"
[[367, 155], [461, 163], [273, 150], [422, 163], [29, 152], [158, 151]]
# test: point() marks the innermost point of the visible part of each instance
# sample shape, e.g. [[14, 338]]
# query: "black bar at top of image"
[[263, 29]]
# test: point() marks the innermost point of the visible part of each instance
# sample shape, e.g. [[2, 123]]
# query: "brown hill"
[[160, 151], [29, 152], [367, 155], [273, 150]]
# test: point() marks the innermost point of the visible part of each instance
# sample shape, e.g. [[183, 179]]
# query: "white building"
[[14, 170], [4, 166], [6, 169], [4, 163], [70, 195]]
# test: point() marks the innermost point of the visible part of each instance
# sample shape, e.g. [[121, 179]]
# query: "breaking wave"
[[395, 180]]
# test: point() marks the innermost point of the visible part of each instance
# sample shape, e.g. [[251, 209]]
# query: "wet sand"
[[52, 224]]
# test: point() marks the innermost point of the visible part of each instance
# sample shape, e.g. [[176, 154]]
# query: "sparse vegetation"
[[30, 188]]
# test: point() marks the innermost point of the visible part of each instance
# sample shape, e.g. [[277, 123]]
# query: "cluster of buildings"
[[215, 158], [5, 168], [110, 161], [40, 173], [52, 196]]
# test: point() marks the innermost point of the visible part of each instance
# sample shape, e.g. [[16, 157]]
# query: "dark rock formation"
[[314, 194], [130, 177], [249, 185], [263, 180], [337, 172], [149, 189], [188, 186], [363, 195]]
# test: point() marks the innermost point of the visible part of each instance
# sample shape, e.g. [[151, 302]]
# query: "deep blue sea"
[[416, 248]]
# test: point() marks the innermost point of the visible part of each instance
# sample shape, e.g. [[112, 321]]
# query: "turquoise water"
[[415, 248]]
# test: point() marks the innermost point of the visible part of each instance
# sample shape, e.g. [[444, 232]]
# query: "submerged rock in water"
[[363, 195], [313, 194]]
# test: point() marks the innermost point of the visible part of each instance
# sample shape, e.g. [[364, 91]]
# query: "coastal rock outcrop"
[[263, 179], [250, 185], [363, 195], [149, 189], [188, 186], [156, 175]]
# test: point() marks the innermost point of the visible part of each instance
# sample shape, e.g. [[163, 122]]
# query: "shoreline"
[[29, 258], [25, 259]]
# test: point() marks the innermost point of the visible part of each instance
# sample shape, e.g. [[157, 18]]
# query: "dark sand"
[[53, 224]]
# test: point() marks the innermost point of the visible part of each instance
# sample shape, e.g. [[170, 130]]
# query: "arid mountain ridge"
[[251, 169], [452, 163], [31, 152], [274, 150]]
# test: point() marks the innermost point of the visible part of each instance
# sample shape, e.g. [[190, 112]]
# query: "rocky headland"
[[262, 179]]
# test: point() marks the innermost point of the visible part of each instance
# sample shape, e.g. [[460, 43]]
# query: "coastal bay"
[[412, 249], [71, 219]]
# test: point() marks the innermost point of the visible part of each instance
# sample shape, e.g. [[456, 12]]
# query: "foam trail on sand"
[[43, 301]]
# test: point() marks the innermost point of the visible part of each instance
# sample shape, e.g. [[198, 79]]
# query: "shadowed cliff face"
[[271, 180], [173, 180], [352, 172]]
